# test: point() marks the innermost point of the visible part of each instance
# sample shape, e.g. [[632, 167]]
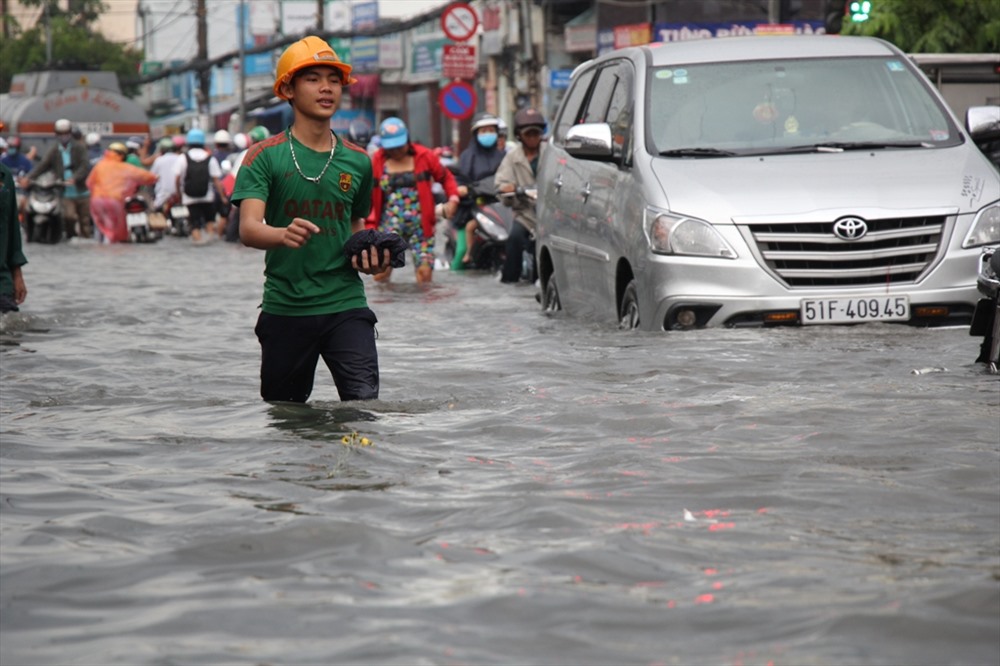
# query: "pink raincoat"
[[110, 182]]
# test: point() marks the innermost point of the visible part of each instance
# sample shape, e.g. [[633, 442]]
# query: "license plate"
[[178, 212], [136, 220], [854, 310]]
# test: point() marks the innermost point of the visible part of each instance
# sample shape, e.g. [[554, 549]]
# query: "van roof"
[[727, 49]]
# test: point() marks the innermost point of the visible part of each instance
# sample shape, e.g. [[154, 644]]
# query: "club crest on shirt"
[[345, 182]]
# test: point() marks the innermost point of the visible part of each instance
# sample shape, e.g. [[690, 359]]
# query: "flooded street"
[[537, 489]]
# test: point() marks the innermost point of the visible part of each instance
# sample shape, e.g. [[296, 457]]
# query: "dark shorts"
[[292, 346], [200, 213], [7, 303]]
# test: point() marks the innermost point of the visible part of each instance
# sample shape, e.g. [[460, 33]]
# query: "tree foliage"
[[933, 26], [75, 45]]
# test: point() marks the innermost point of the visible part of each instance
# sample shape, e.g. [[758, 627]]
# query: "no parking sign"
[[457, 100]]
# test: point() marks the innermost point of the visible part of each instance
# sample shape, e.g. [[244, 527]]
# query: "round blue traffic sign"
[[457, 100]]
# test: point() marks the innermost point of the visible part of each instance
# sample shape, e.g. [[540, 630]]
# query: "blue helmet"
[[196, 137]]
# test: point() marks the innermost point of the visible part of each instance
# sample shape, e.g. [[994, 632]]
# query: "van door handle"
[[586, 191], [559, 183]]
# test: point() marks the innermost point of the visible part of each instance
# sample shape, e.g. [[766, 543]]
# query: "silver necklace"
[[291, 145]]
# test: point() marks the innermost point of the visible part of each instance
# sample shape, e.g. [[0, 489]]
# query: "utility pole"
[[319, 16], [243, 76], [204, 75], [48, 37]]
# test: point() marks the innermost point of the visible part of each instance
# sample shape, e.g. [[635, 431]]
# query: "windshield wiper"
[[697, 152], [838, 146]]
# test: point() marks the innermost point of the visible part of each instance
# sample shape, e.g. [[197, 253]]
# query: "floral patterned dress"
[[401, 214]]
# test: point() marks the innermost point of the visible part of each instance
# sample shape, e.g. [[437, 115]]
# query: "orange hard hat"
[[308, 52]]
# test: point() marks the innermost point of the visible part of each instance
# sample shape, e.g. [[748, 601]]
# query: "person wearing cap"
[[68, 160], [518, 171], [479, 160], [19, 166], [165, 191], [201, 207], [111, 181], [12, 288], [94, 152], [302, 193], [403, 198]]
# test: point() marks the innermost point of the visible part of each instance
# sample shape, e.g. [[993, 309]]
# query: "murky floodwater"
[[539, 490]]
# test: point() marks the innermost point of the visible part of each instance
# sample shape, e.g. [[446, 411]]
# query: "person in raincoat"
[[110, 182]]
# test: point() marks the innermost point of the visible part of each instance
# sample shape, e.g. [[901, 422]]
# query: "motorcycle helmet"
[[528, 117], [222, 137], [501, 127], [93, 138], [483, 119], [118, 147], [178, 140], [63, 126], [14, 142], [259, 133], [308, 52], [195, 137], [240, 141], [165, 144], [360, 132], [133, 143]]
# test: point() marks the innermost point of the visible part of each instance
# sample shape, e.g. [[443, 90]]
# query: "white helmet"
[[222, 136], [63, 126], [240, 141], [93, 138]]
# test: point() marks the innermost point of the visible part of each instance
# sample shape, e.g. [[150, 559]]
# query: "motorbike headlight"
[[668, 233], [985, 228]]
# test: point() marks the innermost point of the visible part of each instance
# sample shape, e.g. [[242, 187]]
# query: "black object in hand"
[[383, 240]]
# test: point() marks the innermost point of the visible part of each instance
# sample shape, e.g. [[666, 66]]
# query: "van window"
[[764, 106], [571, 108], [597, 107]]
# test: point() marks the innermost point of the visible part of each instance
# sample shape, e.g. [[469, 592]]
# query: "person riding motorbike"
[[516, 173], [69, 162], [479, 160], [19, 166]]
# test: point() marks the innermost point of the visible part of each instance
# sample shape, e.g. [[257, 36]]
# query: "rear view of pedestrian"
[[12, 289], [197, 178]]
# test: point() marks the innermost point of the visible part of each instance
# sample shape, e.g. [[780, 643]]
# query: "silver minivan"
[[761, 181]]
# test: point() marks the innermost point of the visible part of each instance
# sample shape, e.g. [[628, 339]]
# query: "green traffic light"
[[860, 10]]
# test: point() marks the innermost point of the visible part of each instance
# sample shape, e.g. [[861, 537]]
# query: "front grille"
[[808, 254]]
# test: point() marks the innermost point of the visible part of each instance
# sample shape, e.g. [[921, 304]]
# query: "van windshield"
[[760, 107]]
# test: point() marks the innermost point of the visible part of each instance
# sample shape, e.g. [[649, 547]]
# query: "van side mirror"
[[591, 141]]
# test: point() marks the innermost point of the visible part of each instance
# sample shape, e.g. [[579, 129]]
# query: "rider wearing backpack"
[[197, 177]]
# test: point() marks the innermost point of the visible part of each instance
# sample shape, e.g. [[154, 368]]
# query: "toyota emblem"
[[850, 228]]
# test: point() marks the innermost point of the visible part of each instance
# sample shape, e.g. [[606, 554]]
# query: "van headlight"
[[668, 233], [985, 228]]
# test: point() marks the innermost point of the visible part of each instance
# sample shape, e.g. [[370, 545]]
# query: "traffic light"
[[833, 13], [860, 10]]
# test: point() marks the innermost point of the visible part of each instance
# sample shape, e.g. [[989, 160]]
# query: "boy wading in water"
[[314, 191]]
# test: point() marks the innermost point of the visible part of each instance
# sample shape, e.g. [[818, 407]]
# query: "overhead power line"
[[201, 65]]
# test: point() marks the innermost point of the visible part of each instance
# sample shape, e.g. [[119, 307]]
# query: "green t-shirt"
[[11, 255], [315, 278]]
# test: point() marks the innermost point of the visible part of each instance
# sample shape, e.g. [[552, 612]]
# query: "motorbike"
[[986, 318], [137, 220], [178, 220], [494, 223], [530, 196], [43, 215]]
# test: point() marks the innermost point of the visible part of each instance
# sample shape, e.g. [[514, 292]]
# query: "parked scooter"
[[43, 215], [986, 318], [137, 221]]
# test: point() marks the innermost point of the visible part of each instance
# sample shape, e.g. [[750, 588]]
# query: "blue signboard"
[[259, 63], [559, 78]]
